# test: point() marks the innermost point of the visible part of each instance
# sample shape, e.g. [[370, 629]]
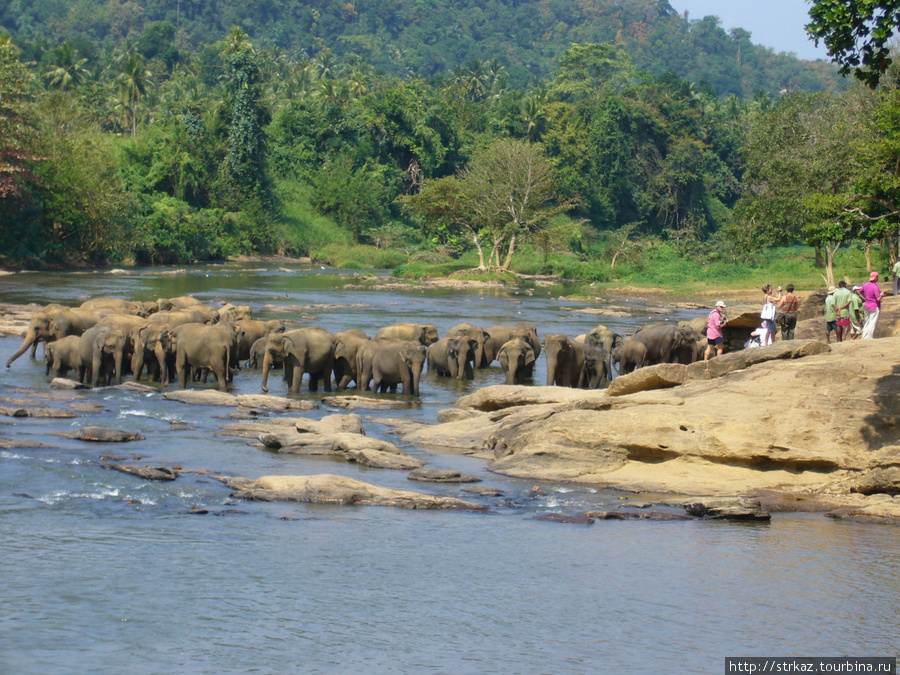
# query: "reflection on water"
[[104, 572]]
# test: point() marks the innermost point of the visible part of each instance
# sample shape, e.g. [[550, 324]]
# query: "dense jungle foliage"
[[125, 139]]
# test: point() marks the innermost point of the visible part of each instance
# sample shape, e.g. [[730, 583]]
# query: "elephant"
[[605, 339], [150, 351], [346, 346], [387, 363], [500, 334], [181, 302], [565, 359], [54, 322], [453, 356], [425, 333], [115, 305], [629, 356], [595, 369], [200, 347], [102, 350], [249, 331], [258, 354], [234, 314], [305, 350], [517, 359], [691, 346], [478, 334], [63, 355], [663, 341], [181, 316]]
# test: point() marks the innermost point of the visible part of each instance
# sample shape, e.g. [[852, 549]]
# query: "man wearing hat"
[[856, 313], [872, 297], [714, 337], [830, 314]]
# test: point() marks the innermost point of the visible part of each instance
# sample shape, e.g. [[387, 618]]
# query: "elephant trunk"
[[511, 372], [118, 358], [267, 364], [30, 339], [462, 362], [162, 359], [137, 362], [414, 390], [551, 368], [479, 357]]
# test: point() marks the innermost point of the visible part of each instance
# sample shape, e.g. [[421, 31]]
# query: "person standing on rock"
[[856, 313], [714, 325], [872, 297], [788, 307], [768, 313], [830, 314], [843, 296], [896, 273]]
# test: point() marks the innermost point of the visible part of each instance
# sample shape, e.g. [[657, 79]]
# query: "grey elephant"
[[476, 333], [234, 313], [116, 306], [150, 352], [517, 359], [565, 359], [53, 322], [62, 356], [199, 347], [603, 338], [387, 363], [426, 333], [168, 304], [346, 346], [305, 350], [596, 368], [690, 348], [663, 341], [179, 317], [453, 356], [248, 331], [102, 351], [629, 356], [499, 334]]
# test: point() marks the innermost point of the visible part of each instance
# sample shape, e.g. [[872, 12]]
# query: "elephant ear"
[[503, 356], [529, 356]]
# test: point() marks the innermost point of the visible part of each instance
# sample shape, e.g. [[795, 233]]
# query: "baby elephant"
[[517, 360], [62, 356], [629, 356], [453, 356]]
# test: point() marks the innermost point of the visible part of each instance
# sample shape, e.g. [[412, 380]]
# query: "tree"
[[67, 70], [133, 82], [17, 130], [506, 192], [857, 34]]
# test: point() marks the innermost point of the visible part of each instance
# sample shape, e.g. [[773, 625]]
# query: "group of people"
[[852, 313]]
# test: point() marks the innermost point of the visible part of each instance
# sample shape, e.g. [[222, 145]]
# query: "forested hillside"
[[434, 37]]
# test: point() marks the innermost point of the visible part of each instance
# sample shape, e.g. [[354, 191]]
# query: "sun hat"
[[831, 289], [873, 276], [720, 303], [857, 288]]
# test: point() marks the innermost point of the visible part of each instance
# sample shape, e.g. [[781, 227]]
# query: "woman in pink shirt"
[[872, 295], [714, 337]]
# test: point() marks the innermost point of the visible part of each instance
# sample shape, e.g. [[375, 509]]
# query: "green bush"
[[359, 257]]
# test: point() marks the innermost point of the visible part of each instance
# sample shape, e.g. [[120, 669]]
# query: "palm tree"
[[133, 82], [236, 41], [67, 69]]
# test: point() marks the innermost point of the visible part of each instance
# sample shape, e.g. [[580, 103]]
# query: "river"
[[103, 572]]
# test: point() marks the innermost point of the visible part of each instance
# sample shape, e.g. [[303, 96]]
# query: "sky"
[[773, 23]]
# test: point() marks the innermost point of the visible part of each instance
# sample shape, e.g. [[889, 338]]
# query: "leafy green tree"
[[68, 70], [857, 34], [248, 116], [17, 130], [132, 83]]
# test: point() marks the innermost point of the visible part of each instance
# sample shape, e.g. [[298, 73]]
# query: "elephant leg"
[[296, 379], [314, 382]]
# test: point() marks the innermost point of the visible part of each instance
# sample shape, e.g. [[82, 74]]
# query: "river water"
[[103, 572]]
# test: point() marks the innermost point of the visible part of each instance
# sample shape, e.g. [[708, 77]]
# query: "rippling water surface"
[[103, 572]]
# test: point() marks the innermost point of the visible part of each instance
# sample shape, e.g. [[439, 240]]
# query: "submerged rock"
[[104, 435], [441, 476], [160, 473], [563, 518], [367, 403], [56, 413], [330, 489], [65, 383], [215, 397], [727, 509], [347, 447]]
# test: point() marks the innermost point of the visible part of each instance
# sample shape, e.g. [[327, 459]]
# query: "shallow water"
[[103, 572]]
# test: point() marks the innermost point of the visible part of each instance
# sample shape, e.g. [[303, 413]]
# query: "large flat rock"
[[348, 447]]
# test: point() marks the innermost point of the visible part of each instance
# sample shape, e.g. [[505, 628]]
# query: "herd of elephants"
[[183, 338]]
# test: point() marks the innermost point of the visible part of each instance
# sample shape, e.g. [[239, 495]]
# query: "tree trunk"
[[480, 250], [820, 261], [868, 251], [509, 253], [829, 264]]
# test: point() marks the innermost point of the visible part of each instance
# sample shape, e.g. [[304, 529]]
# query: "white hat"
[[720, 303]]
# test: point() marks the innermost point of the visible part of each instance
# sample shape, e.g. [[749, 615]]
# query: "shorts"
[[844, 321], [830, 325], [713, 342]]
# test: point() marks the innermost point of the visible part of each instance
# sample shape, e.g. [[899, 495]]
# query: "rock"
[[483, 491], [104, 435], [56, 413], [621, 514], [727, 509], [136, 386], [247, 414], [659, 376], [348, 447], [397, 425], [330, 489], [562, 518], [456, 415], [349, 424], [15, 444], [274, 402], [441, 476], [88, 407], [498, 397], [330, 424], [161, 473], [874, 509], [65, 383], [366, 403], [202, 397], [878, 481], [466, 435]]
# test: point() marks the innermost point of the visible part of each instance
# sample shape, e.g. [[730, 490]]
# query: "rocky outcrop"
[[157, 473], [431, 475], [350, 424], [215, 397], [367, 403], [14, 411], [727, 509], [330, 489], [759, 420]]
